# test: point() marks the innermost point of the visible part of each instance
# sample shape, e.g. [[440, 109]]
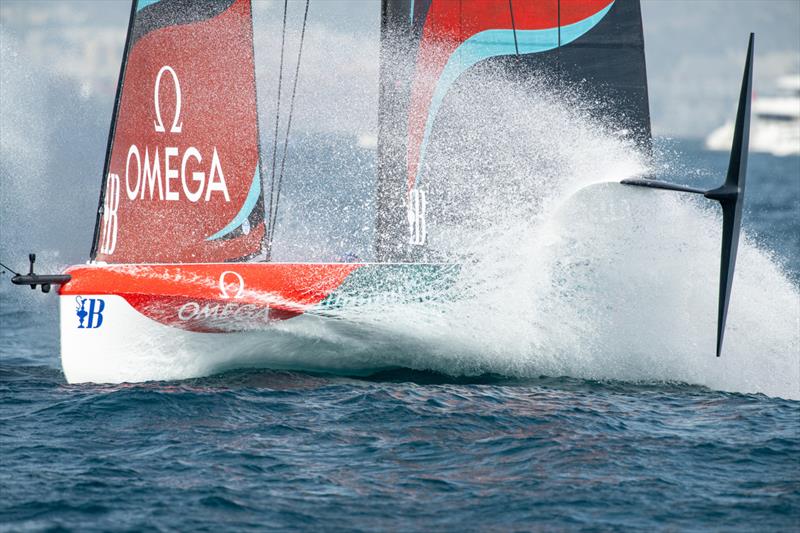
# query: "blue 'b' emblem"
[[94, 314]]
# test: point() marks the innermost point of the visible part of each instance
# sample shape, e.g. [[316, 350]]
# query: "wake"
[[568, 273]]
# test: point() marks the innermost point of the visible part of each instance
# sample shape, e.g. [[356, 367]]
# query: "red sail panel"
[[450, 23], [183, 182]]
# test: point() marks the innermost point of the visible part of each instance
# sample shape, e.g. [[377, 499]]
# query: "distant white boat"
[[775, 127]]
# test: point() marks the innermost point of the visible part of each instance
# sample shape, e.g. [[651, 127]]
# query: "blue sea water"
[[401, 450]]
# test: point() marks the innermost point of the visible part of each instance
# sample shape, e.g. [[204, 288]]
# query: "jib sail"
[[428, 44], [182, 180]]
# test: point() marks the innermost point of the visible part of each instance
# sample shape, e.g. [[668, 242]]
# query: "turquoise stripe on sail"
[[141, 4], [249, 203], [493, 43]]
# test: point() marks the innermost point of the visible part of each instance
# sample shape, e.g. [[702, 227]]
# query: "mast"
[[111, 129], [396, 73]]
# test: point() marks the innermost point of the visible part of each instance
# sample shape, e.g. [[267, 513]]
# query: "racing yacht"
[[181, 279]]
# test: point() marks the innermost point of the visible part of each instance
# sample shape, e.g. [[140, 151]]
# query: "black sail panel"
[[610, 58], [429, 46]]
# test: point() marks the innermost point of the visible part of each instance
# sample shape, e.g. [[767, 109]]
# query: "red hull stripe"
[[289, 287]]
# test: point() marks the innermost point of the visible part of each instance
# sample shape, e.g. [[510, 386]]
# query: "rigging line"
[[10, 269], [268, 233], [513, 26], [288, 125]]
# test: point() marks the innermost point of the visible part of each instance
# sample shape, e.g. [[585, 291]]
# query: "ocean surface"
[[440, 445]]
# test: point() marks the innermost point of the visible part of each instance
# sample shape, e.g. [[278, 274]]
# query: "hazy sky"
[[694, 48], [695, 54]]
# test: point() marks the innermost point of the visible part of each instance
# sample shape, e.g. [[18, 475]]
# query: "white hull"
[[130, 347], [133, 323]]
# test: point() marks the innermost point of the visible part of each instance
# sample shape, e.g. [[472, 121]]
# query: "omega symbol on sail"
[[159, 124], [173, 173]]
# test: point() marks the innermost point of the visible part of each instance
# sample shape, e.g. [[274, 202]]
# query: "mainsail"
[[182, 180], [428, 44]]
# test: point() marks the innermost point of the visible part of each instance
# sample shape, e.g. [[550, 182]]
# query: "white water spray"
[[570, 276], [564, 275]]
